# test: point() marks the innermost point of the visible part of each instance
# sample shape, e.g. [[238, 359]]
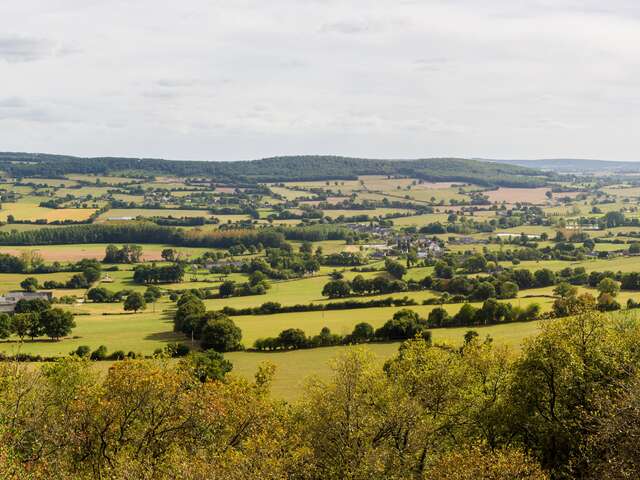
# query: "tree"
[[77, 281], [22, 323], [151, 295], [466, 315], [134, 301], [359, 285], [607, 303], [292, 339], [476, 462], [545, 277], [483, 291], [565, 290], [475, 264], [336, 275], [362, 332], [220, 333], [394, 268], [188, 315], [91, 274], [169, 254], [608, 286], [336, 289], [508, 290], [561, 379], [29, 284], [57, 323], [207, 366], [100, 295], [442, 270], [613, 219], [438, 317], [306, 248], [469, 336], [405, 324], [35, 305], [99, 353], [111, 254], [227, 288], [6, 325]]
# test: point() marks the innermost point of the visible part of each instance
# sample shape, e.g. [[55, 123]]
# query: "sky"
[[245, 79]]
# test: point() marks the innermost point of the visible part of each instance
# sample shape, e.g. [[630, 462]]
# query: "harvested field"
[[513, 195]]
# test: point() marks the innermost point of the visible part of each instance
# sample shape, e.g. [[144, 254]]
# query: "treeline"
[[32, 262], [36, 318], [277, 169], [143, 232], [148, 232], [269, 308], [154, 274], [404, 325]]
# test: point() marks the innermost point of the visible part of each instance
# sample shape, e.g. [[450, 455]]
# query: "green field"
[[149, 330]]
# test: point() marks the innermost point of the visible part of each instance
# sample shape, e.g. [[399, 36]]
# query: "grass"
[[11, 281], [293, 368], [140, 332]]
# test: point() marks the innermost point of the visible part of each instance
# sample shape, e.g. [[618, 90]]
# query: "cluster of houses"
[[9, 300], [425, 247], [391, 240]]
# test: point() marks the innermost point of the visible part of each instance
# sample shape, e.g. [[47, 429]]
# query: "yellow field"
[[32, 212]]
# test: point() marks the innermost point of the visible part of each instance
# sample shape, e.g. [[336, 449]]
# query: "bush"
[[117, 355], [99, 353], [176, 350], [82, 351]]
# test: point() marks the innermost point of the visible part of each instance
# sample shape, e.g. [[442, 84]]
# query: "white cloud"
[[246, 79]]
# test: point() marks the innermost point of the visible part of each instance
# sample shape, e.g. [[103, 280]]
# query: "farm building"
[[9, 300]]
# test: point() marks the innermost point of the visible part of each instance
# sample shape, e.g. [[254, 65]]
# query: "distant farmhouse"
[[9, 300]]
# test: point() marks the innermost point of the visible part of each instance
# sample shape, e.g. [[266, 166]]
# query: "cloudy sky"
[[242, 79]]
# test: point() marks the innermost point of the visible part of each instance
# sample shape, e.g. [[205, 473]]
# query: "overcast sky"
[[243, 79]]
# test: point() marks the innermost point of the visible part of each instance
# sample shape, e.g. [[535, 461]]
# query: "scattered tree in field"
[[565, 290], [57, 323], [151, 295], [227, 288], [135, 301], [169, 254], [126, 254], [220, 333], [395, 269]]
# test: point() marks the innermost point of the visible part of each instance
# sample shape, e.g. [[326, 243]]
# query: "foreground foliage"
[[479, 411]]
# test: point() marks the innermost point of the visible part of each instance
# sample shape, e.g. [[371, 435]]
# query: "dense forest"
[[275, 169], [148, 232]]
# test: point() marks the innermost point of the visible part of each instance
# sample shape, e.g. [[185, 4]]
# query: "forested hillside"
[[275, 169]]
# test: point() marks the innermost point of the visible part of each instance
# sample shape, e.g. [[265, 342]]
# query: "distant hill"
[[276, 169], [574, 165]]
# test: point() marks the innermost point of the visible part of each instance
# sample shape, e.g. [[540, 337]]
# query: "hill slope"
[[276, 169]]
